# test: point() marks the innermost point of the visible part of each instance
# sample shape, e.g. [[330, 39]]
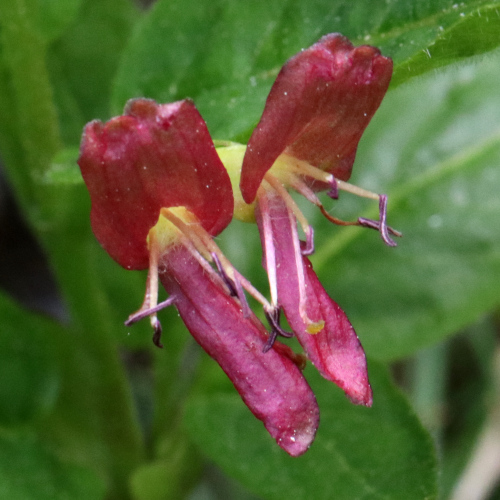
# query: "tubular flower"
[[159, 194], [306, 140]]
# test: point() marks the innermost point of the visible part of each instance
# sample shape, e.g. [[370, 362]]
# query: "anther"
[[381, 224], [234, 286], [157, 332], [273, 318], [227, 280], [334, 188], [143, 313]]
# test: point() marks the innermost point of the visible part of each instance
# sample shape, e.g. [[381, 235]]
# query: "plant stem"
[[60, 218]]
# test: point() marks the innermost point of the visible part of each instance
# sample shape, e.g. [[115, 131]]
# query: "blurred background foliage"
[[91, 409]]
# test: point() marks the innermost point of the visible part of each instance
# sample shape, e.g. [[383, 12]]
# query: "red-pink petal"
[[336, 350], [153, 156], [317, 110], [270, 384]]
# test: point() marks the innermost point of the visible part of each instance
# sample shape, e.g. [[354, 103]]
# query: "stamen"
[[227, 280], [307, 192], [302, 188], [351, 188], [334, 189], [273, 318], [280, 192], [383, 228], [382, 208], [141, 314], [157, 332], [150, 305], [375, 224], [289, 201], [189, 230], [269, 254], [206, 246], [381, 225], [304, 169], [270, 341], [235, 288], [307, 248], [334, 220]]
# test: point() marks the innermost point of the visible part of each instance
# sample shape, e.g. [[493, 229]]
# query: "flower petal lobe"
[[270, 384], [153, 156], [318, 108]]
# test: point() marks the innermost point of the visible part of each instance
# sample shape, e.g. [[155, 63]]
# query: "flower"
[[159, 194], [315, 114]]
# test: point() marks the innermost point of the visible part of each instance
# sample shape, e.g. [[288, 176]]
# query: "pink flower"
[[159, 193], [306, 140]]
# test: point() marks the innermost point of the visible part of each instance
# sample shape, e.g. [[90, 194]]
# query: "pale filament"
[[189, 230], [270, 255], [207, 246], [296, 181], [300, 268], [150, 305], [280, 191], [289, 201], [302, 188], [151, 297], [304, 168]]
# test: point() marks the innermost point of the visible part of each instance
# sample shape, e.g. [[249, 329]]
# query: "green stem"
[[24, 53], [60, 217]]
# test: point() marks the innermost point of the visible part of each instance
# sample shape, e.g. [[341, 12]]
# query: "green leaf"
[[434, 147], [28, 365], [464, 30], [363, 453], [170, 477], [54, 16], [84, 60], [28, 471], [225, 54], [27, 80]]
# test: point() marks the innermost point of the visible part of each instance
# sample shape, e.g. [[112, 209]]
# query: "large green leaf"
[[83, 62], [28, 365], [225, 54], [362, 453], [28, 471], [54, 16], [435, 148]]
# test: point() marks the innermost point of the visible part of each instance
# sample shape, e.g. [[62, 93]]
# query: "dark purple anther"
[[273, 318], [144, 313], [157, 333], [234, 286], [334, 189], [381, 225], [227, 280]]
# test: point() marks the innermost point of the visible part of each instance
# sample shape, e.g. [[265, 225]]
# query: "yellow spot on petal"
[[315, 327]]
